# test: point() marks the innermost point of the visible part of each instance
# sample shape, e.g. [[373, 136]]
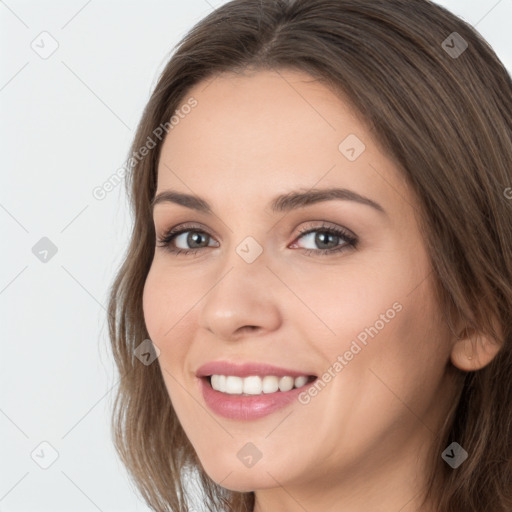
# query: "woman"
[[371, 373]]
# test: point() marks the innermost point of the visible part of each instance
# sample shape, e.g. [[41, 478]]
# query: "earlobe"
[[472, 350]]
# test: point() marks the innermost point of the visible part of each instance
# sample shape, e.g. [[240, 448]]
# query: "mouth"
[[251, 397], [254, 385], [250, 390]]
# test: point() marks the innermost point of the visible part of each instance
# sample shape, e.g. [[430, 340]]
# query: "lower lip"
[[238, 407]]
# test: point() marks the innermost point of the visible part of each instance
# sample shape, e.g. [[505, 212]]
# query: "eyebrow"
[[283, 203]]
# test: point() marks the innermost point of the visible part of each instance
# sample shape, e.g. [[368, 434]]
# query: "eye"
[[192, 236], [328, 238]]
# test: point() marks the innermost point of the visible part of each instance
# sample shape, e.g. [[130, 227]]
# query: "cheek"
[[382, 316], [153, 306], [159, 306], [405, 348], [346, 304], [168, 305], [166, 300]]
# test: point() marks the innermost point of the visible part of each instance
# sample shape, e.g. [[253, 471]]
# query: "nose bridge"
[[242, 293]]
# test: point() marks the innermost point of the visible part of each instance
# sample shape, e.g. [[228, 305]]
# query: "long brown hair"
[[443, 112]]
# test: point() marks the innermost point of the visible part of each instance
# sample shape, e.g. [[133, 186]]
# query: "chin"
[[241, 479]]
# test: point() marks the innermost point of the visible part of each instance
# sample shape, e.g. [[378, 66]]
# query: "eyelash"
[[350, 240]]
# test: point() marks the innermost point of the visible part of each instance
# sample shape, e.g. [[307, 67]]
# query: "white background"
[[66, 125]]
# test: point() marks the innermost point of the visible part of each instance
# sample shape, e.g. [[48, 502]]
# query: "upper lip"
[[246, 370]]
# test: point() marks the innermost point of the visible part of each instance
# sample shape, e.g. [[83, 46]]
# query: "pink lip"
[[246, 370], [245, 407]]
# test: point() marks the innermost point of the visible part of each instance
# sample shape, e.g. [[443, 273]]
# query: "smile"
[[256, 385], [242, 406]]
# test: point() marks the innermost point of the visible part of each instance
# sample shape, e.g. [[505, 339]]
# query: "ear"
[[473, 350]]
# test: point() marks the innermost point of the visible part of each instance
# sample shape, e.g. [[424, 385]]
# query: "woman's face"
[[360, 315]]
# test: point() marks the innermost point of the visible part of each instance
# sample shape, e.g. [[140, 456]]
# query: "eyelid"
[[191, 225], [312, 226]]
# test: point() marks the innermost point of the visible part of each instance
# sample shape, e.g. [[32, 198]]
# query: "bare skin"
[[360, 443]]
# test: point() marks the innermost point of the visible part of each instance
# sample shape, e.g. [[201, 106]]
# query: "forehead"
[[268, 131]]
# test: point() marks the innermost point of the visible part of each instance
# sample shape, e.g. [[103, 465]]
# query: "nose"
[[243, 301]]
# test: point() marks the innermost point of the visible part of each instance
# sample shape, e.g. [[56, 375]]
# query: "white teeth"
[[270, 384], [300, 381], [252, 385], [234, 385], [219, 382], [255, 385], [286, 383]]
